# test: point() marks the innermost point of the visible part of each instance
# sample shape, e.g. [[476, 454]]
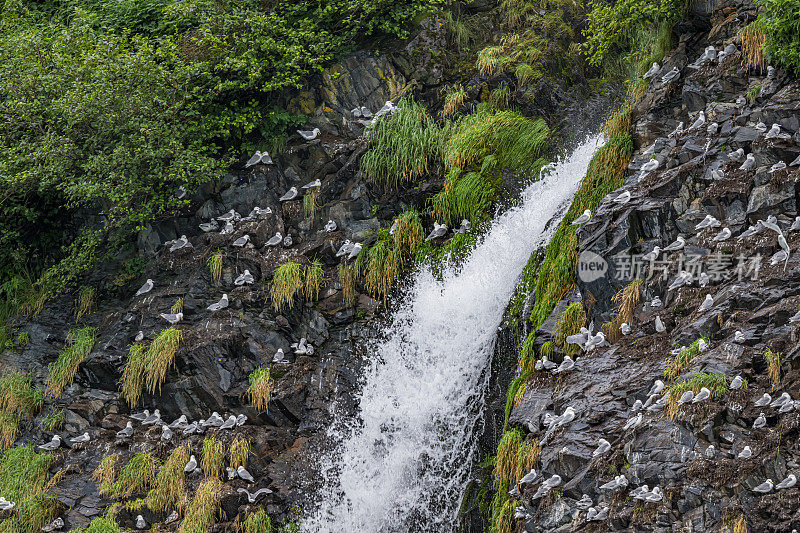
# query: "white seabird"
[[154, 418], [182, 242], [746, 453], [309, 135], [760, 422], [763, 401], [81, 439], [251, 498], [765, 487], [275, 240], [53, 444], [708, 222], [623, 198], [749, 163], [788, 483], [650, 165], [244, 474], [205, 227], [671, 75], [707, 304], [172, 318], [291, 194], [780, 165], [699, 123], [603, 446], [221, 304], [313, 184], [330, 226], [147, 287], [737, 155], [241, 241], [702, 395], [653, 71], [583, 219], [244, 278], [679, 244], [723, 235], [660, 327], [736, 383], [125, 432], [439, 230]]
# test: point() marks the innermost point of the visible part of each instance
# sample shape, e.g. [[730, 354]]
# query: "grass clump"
[[513, 139], [211, 461], [675, 365], [135, 476], [168, 492], [773, 360], [101, 524], [215, 261], [147, 365], [286, 283], [17, 397], [24, 480], [517, 385], [384, 264], [177, 307], [506, 463], [84, 302], [526, 361], [106, 473], [626, 299], [404, 146], [454, 100], [200, 514], [408, 231], [261, 386], [313, 279], [347, 279], [310, 204], [569, 323], [716, 383], [79, 344], [52, 421], [239, 453], [257, 522]]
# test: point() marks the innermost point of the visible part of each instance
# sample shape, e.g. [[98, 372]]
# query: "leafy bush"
[[610, 26], [124, 101], [780, 23]]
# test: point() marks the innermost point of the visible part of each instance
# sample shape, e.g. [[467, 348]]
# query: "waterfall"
[[402, 466]]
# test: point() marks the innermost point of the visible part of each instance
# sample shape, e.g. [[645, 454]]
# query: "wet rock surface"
[[701, 490]]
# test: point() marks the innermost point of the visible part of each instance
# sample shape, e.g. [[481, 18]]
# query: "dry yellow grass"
[[105, 473], [169, 484], [753, 41], [200, 514], [239, 453], [211, 461], [626, 299], [261, 386]]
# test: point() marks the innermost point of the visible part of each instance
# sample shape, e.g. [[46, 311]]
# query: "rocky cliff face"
[[693, 451]]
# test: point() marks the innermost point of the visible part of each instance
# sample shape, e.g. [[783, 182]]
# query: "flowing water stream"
[[402, 466]]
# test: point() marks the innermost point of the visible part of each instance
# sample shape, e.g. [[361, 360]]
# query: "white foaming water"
[[403, 466]]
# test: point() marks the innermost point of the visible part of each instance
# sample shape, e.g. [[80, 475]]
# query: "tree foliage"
[[111, 105], [780, 22]]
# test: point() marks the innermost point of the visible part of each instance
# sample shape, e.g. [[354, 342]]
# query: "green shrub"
[[610, 26], [779, 21]]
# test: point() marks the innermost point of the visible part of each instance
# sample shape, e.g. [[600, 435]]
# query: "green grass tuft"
[[200, 514], [106, 473], [101, 524], [215, 261], [569, 323], [256, 522], [313, 279], [168, 492], [404, 146], [211, 461], [286, 283], [260, 390], [135, 476], [239, 453], [147, 366], [79, 344], [675, 365], [24, 479], [347, 279], [17, 397], [773, 360], [84, 302], [716, 383]]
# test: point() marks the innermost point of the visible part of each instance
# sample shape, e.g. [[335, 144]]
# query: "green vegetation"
[[517, 385], [347, 279], [147, 366], [313, 278], [257, 522], [454, 100], [626, 299], [211, 461], [215, 265], [84, 302], [101, 524], [135, 476], [675, 365], [17, 398], [716, 383], [776, 34], [569, 323], [52, 421], [310, 204], [286, 283], [610, 27], [106, 473], [168, 491], [177, 307], [24, 479], [161, 94], [515, 457], [200, 514], [239, 452], [79, 344], [773, 360], [260, 390], [405, 146]]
